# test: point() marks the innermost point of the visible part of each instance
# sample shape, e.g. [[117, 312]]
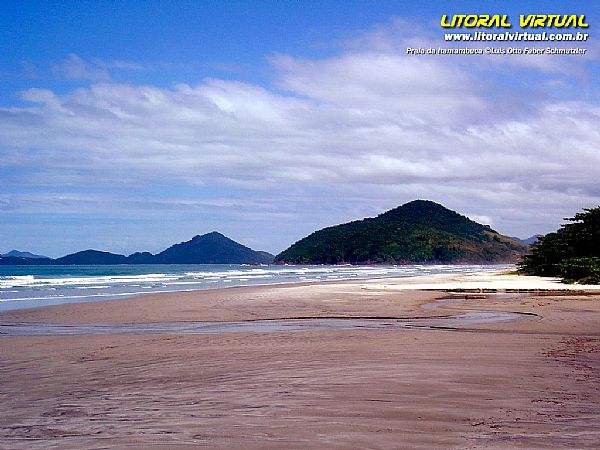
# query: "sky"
[[132, 125]]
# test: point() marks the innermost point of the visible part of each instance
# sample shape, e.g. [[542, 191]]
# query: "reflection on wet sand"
[[458, 319]]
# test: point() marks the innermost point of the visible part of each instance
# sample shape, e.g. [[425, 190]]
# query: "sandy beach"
[[529, 382]]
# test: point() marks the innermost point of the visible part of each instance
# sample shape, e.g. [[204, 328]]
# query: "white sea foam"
[[33, 281], [50, 285]]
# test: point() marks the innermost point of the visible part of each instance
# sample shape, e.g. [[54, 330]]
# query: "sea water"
[[33, 286]]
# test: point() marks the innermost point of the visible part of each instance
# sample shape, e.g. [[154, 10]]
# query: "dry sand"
[[529, 383]]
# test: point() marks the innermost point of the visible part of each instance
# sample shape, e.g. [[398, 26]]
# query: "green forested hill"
[[419, 231]]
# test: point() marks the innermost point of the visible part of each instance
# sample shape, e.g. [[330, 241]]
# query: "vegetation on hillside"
[[419, 231], [572, 252]]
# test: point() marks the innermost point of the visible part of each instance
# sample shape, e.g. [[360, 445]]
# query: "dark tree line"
[[572, 252]]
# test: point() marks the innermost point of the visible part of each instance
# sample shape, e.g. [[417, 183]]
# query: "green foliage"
[[419, 231], [576, 269], [572, 252]]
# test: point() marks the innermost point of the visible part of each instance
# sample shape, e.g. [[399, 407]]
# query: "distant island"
[[19, 254], [420, 231], [211, 248]]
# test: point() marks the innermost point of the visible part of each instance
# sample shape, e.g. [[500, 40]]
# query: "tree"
[[572, 252]]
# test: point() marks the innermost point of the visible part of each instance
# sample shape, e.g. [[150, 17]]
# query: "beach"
[[481, 380]]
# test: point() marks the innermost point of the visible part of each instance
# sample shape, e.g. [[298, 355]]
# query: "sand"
[[528, 383]]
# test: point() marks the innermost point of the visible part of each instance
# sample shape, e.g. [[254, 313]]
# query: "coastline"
[[528, 383], [81, 284], [153, 306]]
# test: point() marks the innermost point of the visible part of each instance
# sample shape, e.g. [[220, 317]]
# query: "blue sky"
[[128, 126]]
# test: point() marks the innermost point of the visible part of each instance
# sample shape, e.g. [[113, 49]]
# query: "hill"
[[211, 248], [419, 231], [531, 239], [19, 254], [21, 261], [91, 257]]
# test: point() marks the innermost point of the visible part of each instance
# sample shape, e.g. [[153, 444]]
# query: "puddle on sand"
[[461, 318], [252, 326], [257, 326]]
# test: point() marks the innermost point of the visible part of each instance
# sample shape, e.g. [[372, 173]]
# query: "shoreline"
[[527, 383], [484, 282], [83, 295]]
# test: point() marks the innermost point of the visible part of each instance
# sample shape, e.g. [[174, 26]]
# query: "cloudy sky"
[[129, 126]]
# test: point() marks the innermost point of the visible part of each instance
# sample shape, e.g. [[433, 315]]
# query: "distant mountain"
[[532, 239], [20, 261], [140, 258], [211, 248], [91, 257], [419, 231], [19, 254]]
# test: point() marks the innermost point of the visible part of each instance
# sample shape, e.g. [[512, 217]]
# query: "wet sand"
[[527, 383]]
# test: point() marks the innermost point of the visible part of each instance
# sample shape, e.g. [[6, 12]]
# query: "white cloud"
[[76, 68], [352, 134], [380, 85]]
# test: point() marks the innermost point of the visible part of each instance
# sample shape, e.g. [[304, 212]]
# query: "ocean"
[[33, 286]]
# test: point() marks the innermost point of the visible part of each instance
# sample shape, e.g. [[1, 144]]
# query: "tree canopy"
[[572, 252]]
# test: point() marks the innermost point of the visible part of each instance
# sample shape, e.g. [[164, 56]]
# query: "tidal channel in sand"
[[303, 324]]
